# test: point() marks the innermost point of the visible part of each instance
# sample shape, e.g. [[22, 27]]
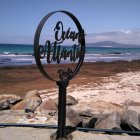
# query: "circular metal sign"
[[55, 52]]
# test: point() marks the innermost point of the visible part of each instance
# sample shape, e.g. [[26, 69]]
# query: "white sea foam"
[[7, 58]]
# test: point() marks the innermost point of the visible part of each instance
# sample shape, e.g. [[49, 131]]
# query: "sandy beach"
[[99, 88], [109, 81]]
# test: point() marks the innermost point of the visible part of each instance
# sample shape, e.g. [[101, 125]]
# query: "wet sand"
[[19, 80]]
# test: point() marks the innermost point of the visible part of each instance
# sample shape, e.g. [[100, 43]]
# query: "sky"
[[114, 20]]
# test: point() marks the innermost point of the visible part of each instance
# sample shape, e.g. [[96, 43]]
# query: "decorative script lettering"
[[54, 52]]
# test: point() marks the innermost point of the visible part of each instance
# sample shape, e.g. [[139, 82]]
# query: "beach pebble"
[[111, 121], [132, 116], [30, 102], [20, 106], [11, 98], [31, 94], [4, 104], [87, 113], [7, 100], [70, 100], [130, 102], [48, 107], [72, 117]]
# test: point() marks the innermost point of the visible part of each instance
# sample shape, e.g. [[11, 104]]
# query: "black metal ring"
[[37, 37]]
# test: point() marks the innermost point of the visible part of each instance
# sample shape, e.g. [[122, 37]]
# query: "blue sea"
[[20, 55]]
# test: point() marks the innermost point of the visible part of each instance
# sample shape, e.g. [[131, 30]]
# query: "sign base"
[[55, 135]]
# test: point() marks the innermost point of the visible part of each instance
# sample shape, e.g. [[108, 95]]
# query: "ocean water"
[[11, 54]]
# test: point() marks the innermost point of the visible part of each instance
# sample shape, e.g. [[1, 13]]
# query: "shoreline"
[[19, 80]]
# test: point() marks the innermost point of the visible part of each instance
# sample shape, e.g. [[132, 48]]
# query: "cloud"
[[120, 36], [126, 31]]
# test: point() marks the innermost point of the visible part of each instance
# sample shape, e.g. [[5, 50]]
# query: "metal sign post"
[[61, 133], [52, 52]]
